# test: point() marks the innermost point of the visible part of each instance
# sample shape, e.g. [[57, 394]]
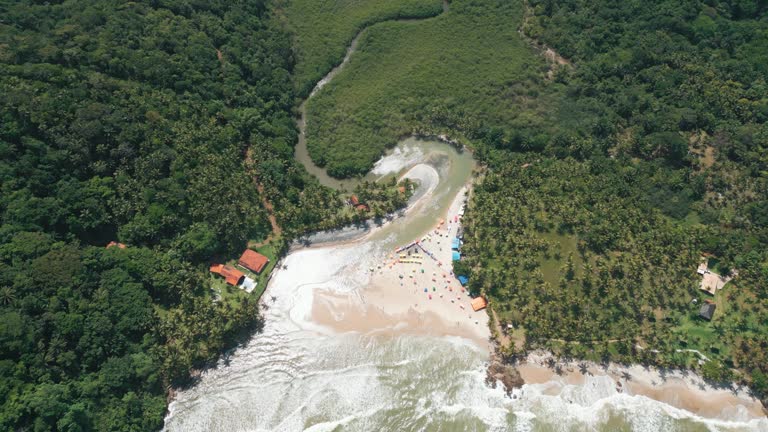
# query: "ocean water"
[[300, 376], [307, 380]]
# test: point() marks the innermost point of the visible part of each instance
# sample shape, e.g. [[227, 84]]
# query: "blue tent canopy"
[[455, 243], [456, 256], [463, 280]]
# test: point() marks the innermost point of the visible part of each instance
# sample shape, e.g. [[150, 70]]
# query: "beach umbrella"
[[430, 296], [425, 290]]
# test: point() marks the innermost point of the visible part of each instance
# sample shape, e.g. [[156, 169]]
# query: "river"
[[301, 373]]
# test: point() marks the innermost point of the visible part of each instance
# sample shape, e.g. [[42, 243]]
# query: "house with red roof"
[[253, 261], [231, 275]]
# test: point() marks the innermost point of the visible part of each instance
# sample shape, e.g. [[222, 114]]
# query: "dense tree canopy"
[[168, 126], [656, 155], [127, 122]]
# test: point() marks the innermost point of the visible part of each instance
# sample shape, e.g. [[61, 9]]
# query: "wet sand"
[[390, 305], [395, 300], [380, 302], [680, 389]]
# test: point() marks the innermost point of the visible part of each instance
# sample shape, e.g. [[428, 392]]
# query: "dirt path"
[[551, 55], [276, 230], [504, 340]]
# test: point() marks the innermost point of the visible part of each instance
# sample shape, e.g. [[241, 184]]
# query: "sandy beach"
[[360, 284], [680, 389], [411, 292], [394, 302]]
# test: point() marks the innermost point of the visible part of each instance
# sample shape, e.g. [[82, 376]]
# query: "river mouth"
[[347, 348], [350, 345], [341, 342], [439, 171]]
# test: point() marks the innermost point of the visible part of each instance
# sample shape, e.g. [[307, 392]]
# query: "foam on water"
[[298, 375], [401, 157]]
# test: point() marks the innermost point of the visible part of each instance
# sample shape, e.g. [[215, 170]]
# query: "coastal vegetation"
[[589, 247], [610, 170], [126, 122], [167, 126], [165, 130]]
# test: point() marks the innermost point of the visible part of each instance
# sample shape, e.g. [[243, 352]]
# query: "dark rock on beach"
[[506, 374]]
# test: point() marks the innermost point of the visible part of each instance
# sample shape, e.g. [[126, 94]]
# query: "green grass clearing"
[[563, 245]]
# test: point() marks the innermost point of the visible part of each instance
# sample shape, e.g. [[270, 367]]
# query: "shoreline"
[[394, 300], [680, 389], [352, 234], [385, 308], [388, 308]]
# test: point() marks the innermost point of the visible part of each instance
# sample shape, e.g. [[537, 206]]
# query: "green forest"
[[322, 30], [611, 167], [126, 122], [589, 246], [169, 126], [453, 74]]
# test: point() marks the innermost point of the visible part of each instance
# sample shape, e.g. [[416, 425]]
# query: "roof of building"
[[711, 282], [354, 200], [479, 303], [114, 243], [702, 268], [249, 284], [456, 255], [401, 189], [455, 243], [362, 207], [253, 261], [232, 275], [707, 311], [463, 279]]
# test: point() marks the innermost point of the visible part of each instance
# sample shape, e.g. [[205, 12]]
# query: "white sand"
[[391, 303], [680, 389], [338, 293]]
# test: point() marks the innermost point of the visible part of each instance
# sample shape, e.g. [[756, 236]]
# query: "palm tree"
[[7, 295]]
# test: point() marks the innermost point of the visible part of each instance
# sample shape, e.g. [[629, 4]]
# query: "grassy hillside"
[[323, 29], [460, 70]]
